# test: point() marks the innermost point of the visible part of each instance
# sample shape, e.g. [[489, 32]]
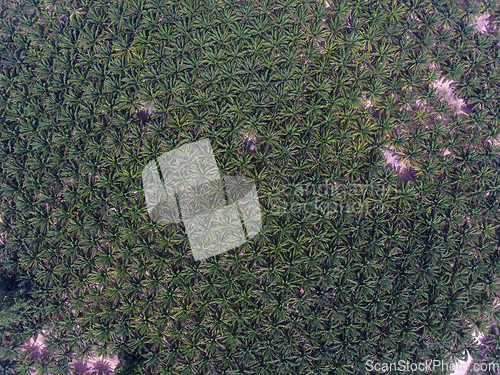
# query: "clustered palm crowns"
[[314, 292]]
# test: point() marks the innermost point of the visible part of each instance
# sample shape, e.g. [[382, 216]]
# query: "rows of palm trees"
[[313, 292]]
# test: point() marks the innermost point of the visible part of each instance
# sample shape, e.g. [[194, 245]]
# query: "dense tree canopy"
[[318, 92]]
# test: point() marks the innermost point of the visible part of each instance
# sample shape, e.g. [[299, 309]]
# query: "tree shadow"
[[101, 367]]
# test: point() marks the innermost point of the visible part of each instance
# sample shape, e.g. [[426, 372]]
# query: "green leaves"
[[285, 91]]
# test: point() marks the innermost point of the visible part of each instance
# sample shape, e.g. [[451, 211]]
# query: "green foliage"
[[280, 89], [18, 319], [129, 365]]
